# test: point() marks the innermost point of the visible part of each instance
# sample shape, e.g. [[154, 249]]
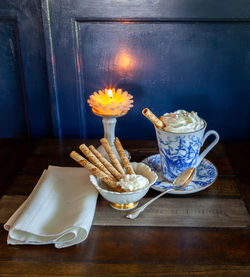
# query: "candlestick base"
[[109, 123]]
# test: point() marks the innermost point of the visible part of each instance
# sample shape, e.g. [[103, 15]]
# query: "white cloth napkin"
[[59, 210]]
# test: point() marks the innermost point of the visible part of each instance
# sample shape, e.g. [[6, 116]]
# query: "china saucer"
[[206, 174]]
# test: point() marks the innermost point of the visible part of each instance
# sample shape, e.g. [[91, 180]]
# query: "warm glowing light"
[[124, 60], [110, 102], [110, 93]]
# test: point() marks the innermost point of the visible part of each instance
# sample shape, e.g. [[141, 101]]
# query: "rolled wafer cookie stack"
[[110, 173], [91, 156], [106, 163], [94, 170]]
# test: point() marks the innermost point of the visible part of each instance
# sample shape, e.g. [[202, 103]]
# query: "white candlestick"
[[109, 123], [109, 129]]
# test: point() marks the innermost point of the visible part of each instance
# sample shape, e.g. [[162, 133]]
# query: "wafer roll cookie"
[[106, 163], [112, 156], [154, 119], [96, 162], [123, 157], [94, 170]]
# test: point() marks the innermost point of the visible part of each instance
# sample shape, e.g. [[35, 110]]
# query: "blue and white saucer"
[[206, 174]]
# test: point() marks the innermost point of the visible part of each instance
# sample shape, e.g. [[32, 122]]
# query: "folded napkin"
[[59, 210]]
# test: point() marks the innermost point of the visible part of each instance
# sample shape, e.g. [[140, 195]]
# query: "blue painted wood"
[[185, 70], [169, 54], [24, 91], [13, 115]]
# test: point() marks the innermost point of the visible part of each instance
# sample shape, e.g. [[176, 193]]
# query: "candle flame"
[[110, 93]]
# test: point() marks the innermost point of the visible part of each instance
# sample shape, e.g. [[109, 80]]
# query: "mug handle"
[[210, 146]]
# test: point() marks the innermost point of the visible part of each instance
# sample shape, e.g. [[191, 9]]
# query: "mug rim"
[[191, 132]]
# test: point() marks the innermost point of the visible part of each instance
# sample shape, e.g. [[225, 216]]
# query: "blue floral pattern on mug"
[[178, 153]]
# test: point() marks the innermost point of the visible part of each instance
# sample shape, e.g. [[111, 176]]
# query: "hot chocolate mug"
[[180, 151]]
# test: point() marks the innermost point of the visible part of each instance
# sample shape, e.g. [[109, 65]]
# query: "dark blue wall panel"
[[24, 90], [168, 66], [12, 103], [169, 55]]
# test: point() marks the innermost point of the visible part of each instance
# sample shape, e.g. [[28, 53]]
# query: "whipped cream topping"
[[182, 121], [133, 182]]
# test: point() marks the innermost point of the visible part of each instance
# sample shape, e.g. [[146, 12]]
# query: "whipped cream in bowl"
[[133, 182], [182, 121], [135, 186]]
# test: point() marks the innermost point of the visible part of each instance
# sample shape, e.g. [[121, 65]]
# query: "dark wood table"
[[128, 250]]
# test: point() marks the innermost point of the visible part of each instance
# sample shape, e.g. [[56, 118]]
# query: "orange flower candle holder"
[[110, 104]]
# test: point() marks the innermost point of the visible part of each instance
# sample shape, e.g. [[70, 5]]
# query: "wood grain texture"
[[165, 212], [188, 247], [114, 270], [239, 158], [8, 205], [13, 155], [134, 250], [178, 212]]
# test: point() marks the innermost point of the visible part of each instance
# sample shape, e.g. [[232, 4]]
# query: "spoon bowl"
[[184, 178]]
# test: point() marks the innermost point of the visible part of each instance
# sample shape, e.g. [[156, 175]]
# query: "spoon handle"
[[136, 212]]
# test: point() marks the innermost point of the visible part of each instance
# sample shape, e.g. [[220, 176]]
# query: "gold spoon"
[[180, 182]]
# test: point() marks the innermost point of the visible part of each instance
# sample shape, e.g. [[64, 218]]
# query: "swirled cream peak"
[[182, 121], [133, 182]]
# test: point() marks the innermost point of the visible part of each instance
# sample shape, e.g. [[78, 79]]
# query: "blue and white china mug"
[[180, 151]]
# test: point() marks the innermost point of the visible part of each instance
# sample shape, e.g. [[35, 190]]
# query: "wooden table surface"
[[128, 250]]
